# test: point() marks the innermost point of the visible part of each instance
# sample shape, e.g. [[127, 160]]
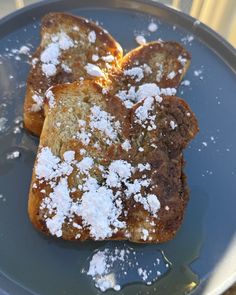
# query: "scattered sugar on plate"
[[24, 50], [140, 40], [196, 22], [114, 267], [3, 122], [185, 83], [2, 198], [197, 73], [187, 39], [13, 155], [152, 27]]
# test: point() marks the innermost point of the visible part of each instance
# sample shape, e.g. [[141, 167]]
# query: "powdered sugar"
[[119, 171], [83, 136], [51, 54], [153, 203], [48, 166], [126, 145], [144, 236], [37, 106], [63, 40], [49, 69], [140, 40], [171, 75], [173, 125], [143, 167], [69, 156], [182, 60], [108, 58], [58, 203], [24, 50], [152, 27], [113, 267], [51, 99], [147, 90], [95, 57], [66, 68], [94, 70], [92, 37], [99, 212], [150, 202], [136, 73], [142, 112], [85, 165], [99, 206], [13, 155], [104, 122], [185, 83], [187, 39], [132, 96], [3, 124]]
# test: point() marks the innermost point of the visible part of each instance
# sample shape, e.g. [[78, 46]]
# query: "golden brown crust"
[[166, 160]]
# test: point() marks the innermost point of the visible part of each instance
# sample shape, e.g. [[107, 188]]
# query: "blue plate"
[[33, 264]]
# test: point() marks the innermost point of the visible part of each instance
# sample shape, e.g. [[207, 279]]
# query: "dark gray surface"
[[47, 266]]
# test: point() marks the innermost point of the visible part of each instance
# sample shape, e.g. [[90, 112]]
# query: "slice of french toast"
[[159, 62], [72, 48], [105, 171]]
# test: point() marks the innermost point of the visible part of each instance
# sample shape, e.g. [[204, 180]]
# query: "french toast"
[[111, 172], [159, 62], [72, 48]]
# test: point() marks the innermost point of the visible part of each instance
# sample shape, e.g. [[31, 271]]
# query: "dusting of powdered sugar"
[[49, 166], [126, 145], [136, 73], [100, 205], [104, 122], [115, 267], [51, 54], [140, 40], [38, 102], [3, 122], [133, 95], [50, 98], [92, 37], [152, 27], [94, 70], [13, 155]]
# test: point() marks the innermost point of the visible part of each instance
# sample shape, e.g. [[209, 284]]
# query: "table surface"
[[219, 15]]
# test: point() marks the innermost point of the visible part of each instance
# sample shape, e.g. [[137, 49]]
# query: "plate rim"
[[224, 50]]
